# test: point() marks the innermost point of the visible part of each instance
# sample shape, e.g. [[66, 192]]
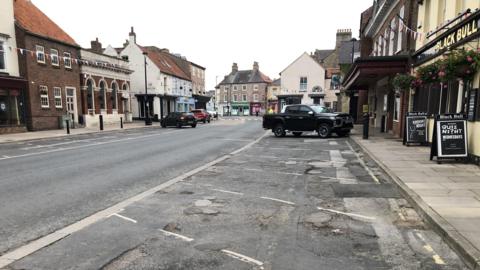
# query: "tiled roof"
[[365, 18], [277, 82], [246, 76], [33, 20], [345, 51], [164, 62], [320, 55]]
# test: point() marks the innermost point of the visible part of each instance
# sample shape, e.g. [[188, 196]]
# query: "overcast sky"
[[213, 33]]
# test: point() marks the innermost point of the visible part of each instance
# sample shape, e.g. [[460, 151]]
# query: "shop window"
[[40, 54], [303, 84], [2, 55], [67, 60], [328, 104], [54, 57], [396, 109], [44, 97], [57, 94]]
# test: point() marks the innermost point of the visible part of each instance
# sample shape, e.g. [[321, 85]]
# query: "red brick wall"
[[37, 74]]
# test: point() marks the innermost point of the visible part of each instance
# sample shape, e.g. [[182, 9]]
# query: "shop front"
[[201, 101], [12, 113], [240, 108], [288, 99], [185, 104], [447, 78], [257, 107]]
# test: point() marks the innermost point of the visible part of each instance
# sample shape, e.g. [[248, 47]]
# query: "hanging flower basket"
[[402, 81]]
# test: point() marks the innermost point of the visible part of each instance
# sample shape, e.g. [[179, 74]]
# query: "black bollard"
[[121, 122], [68, 126], [100, 118], [366, 120]]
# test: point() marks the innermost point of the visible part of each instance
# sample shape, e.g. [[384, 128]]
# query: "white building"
[[12, 88], [169, 88], [302, 82]]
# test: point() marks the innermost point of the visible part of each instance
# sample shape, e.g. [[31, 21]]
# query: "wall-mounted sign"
[[415, 128], [3, 106], [449, 137], [463, 31], [472, 104]]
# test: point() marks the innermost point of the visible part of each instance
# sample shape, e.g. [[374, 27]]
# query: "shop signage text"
[[416, 128], [450, 137], [460, 34]]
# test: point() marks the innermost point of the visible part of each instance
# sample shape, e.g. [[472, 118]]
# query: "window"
[[225, 98], [114, 96], [54, 57], [244, 97], [234, 97], [396, 109], [67, 60], [380, 44], [103, 96], [385, 38], [255, 87], [44, 97], [225, 88], [304, 110], [234, 87], [401, 15], [40, 54], [303, 84], [292, 109], [244, 87], [57, 95], [255, 97], [392, 37], [3, 66]]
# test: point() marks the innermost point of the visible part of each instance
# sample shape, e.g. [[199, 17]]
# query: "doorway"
[[71, 102]]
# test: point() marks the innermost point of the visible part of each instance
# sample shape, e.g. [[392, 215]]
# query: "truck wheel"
[[297, 134], [194, 125], [324, 130], [279, 131]]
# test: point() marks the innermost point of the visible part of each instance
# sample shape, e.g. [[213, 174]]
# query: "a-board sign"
[[416, 128], [472, 104], [450, 137]]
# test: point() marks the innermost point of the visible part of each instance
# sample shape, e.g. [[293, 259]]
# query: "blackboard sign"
[[450, 137], [472, 104], [416, 128]]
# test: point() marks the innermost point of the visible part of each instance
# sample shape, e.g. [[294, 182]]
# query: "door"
[[71, 102], [291, 115], [306, 119]]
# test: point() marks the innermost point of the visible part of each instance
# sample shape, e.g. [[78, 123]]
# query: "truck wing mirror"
[[310, 113]]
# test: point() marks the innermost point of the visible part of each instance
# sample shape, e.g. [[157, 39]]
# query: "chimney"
[[125, 44], [234, 68], [132, 36], [343, 35], [255, 66], [96, 46]]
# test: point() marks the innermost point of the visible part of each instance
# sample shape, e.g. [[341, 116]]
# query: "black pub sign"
[[450, 137], [416, 128]]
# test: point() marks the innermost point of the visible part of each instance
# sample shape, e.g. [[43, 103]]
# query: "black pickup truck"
[[300, 118]]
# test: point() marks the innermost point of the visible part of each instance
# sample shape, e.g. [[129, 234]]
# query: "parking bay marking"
[[176, 235], [226, 191], [278, 200], [123, 217], [242, 258], [344, 213]]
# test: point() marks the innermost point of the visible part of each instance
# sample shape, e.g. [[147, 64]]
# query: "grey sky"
[[213, 33]]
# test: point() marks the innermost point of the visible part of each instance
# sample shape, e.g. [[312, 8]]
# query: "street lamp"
[[353, 48], [148, 121]]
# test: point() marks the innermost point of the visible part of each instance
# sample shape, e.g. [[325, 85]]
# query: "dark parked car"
[[179, 119], [201, 115], [300, 118]]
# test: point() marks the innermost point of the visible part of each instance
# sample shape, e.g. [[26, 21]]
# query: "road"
[[288, 203]]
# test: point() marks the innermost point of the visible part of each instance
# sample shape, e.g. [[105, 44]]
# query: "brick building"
[[48, 62]]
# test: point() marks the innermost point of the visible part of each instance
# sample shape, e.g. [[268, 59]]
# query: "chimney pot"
[[234, 67]]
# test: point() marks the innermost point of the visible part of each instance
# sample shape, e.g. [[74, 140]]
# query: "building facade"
[[386, 45], [272, 91], [48, 60], [449, 30], [302, 82], [105, 87], [243, 92], [12, 87]]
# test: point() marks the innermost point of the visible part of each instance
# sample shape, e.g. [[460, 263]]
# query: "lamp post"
[[148, 121]]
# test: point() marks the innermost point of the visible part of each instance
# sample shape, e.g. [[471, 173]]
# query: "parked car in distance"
[[300, 118], [179, 119], [213, 114], [201, 115]]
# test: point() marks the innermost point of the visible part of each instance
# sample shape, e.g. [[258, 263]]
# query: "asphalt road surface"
[[278, 203]]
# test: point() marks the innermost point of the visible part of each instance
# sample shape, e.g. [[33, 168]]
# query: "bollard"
[[366, 120], [100, 118], [121, 122], [68, 126]]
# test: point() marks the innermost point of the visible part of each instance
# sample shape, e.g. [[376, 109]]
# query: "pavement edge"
[[468, 253]]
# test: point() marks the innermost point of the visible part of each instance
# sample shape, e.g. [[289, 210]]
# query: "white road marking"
[[176, 235], [5, 157], [337, 178], [277, 200], [285, 148], [346, 214], [123, 217], [51, 238], [236, 140], [242, 258], [87, 145], [437, 259], [363, 164], [226, 191], [332, 143]]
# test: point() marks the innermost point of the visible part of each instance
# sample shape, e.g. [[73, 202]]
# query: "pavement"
[[226, 195], [447, 195]]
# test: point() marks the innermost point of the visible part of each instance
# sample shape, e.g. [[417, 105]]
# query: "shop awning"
[[317, 95], [368, 70], [289, 95]]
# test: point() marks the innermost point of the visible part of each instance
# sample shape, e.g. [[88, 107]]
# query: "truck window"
[[292, 109], [304, 110]]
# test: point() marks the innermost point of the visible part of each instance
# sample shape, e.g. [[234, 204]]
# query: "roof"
[[365, 18], [345, 51], [33, 20], [277, 82], [246, 76], [320, 55], [164, 62], [300, 57]]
